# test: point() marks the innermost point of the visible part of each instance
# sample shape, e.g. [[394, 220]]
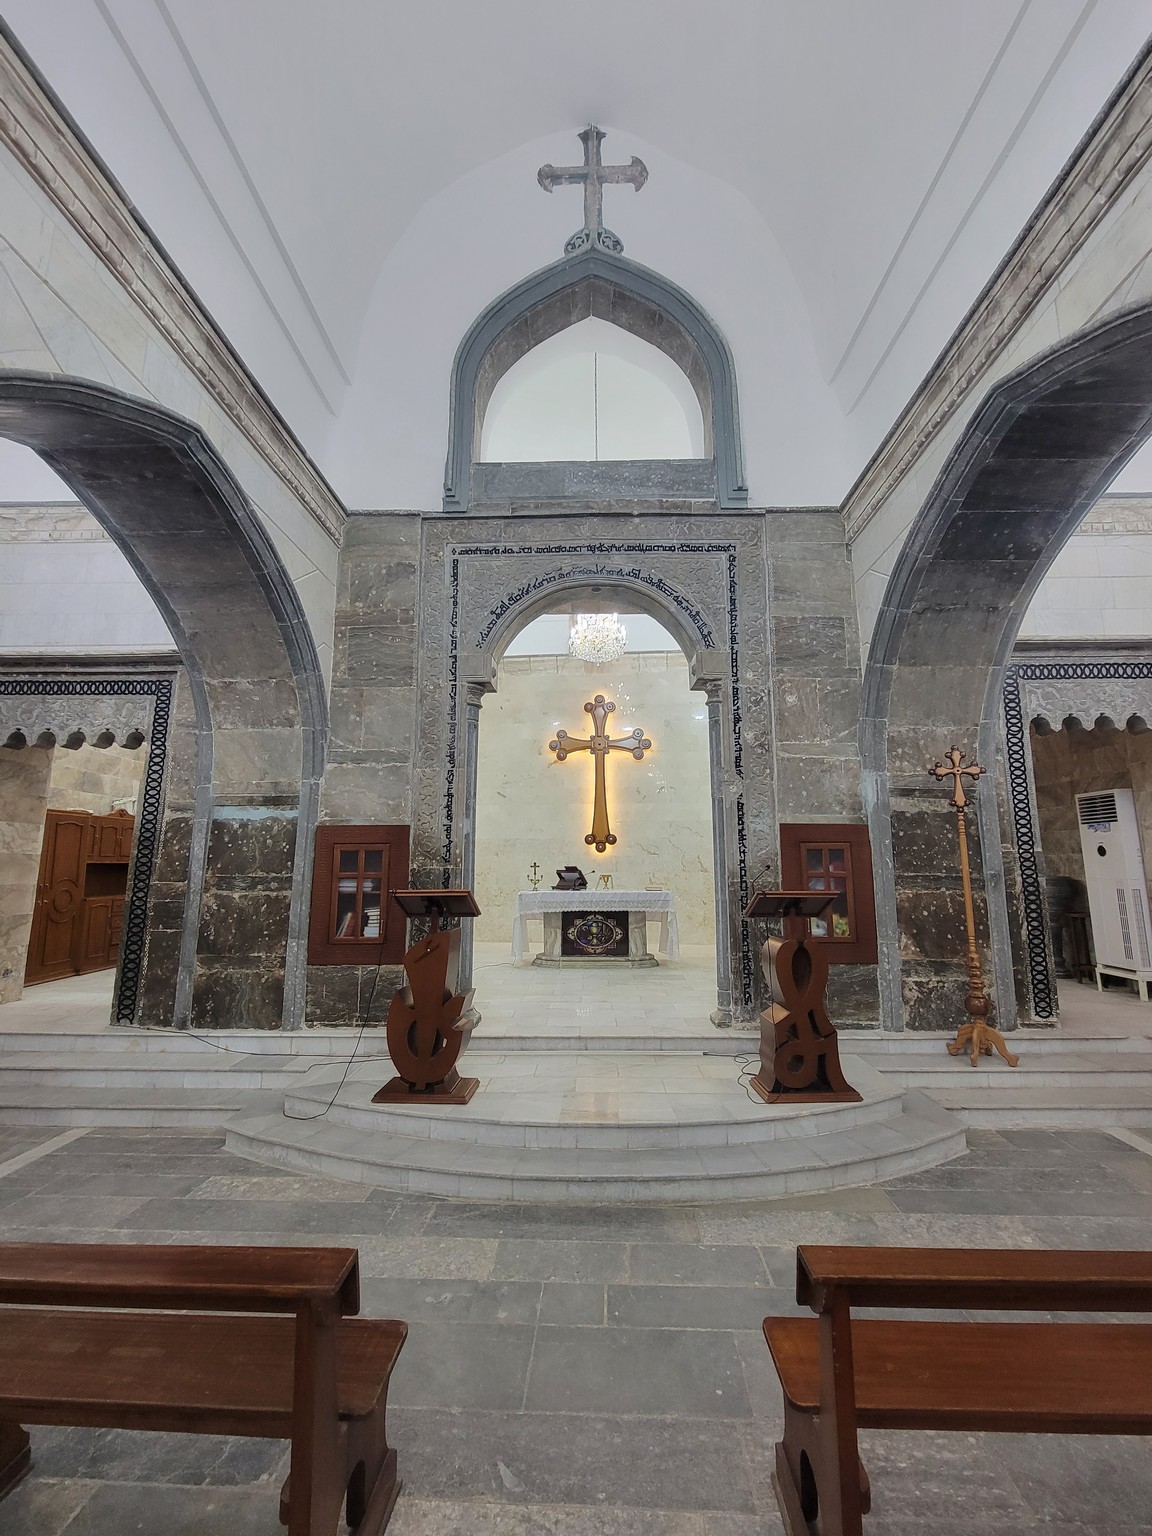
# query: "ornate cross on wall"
[[600, 744], [593, 174]]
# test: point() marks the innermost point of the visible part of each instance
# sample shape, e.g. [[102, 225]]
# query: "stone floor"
[[579, 1371]]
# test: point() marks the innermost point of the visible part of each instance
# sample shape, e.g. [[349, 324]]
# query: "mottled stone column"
[[474, 699], [714, 692], [24, 776]]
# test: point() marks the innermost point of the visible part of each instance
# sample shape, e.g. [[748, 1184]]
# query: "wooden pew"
[[840, 1373], [135, 1337]]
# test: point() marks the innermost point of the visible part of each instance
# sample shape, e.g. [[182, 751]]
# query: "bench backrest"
[[192, 1279], [979, 1278], [318, 1285]]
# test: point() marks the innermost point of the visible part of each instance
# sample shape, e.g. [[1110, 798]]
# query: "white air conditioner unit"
[[1114, 874]]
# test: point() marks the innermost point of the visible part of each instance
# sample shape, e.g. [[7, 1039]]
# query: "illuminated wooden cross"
[[600, 744]]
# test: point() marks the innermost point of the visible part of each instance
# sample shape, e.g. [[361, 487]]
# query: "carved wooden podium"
[[799, 1054], [425, 1031]]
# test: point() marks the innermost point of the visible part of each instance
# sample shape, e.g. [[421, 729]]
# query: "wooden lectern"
[[425, 1032], [799, 1055]]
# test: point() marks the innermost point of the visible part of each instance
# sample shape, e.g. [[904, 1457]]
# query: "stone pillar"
[[24, 776], [724, 960], [473, 701]]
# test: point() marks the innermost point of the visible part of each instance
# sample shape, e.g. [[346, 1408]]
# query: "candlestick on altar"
[[977, 1036]]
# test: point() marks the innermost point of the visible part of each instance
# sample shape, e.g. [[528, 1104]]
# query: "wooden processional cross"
[[600, 744]]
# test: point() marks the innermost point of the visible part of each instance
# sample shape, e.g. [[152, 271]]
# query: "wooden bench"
[[208, 1354], [841, 1373]]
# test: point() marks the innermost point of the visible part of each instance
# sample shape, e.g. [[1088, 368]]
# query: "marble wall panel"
[[529, 807]]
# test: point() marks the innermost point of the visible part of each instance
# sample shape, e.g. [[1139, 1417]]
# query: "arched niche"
[[225, 938], [638, 300], [1040, 451]]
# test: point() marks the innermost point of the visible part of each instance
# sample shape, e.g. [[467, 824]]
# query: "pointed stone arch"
[[227, 914], [626, 294]]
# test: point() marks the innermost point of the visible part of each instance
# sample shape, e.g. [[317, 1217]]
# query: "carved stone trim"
[[1115, 150], [47, 147]]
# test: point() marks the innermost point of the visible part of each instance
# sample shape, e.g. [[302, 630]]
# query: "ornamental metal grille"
[[149, 806], [1041, 980]]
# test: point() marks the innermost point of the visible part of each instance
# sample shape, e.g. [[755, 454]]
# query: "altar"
[[601, 927]]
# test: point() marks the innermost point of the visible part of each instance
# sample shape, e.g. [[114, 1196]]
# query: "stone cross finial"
[[593, 174]]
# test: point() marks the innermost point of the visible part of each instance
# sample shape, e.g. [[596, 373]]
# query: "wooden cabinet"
[[354, 920], [80, 894], [833, 856]]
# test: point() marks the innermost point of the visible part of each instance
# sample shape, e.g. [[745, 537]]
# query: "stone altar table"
[[560, 946]]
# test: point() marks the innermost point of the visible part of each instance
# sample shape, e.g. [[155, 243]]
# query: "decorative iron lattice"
[[1041, 980], [147, 809]]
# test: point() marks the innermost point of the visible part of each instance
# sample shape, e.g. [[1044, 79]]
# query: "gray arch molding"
[[1043, 447], [254, 753], [716, 373]]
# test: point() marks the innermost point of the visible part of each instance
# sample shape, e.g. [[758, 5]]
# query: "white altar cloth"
[[661, 904]]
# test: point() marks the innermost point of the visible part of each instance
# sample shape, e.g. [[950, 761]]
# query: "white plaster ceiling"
[[347, 184]]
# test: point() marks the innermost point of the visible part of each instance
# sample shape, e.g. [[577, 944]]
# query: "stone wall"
[[96, 779], [24, 774], [762, 606], [1074, 762], [530, 807]]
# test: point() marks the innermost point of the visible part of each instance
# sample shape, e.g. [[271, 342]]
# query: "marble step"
[[1078, 1107], [172, 1069], [139, 1105], [1031, 1042], [1071, 1068], [580, 1100], [921, 1136]]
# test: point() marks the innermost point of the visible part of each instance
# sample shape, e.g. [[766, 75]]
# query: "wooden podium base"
[[776, 1093], [397, 1091]]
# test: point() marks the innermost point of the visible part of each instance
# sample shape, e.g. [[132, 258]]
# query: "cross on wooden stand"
[[600, 744], [977, 1035], [593, 174]]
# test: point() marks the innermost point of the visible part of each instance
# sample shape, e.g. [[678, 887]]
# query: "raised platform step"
[[590, 1101], [139, 1105], [694, 1135], [187, 1069], [875, 1045], [1070, 1068], [1077, 1107]]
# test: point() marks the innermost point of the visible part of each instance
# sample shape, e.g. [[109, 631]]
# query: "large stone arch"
[[1044, 445], [227, 914], [626, 294]]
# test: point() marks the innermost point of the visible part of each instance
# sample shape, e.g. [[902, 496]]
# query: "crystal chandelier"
[[597, 637]]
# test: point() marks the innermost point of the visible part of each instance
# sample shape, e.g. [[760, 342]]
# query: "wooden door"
[[99, 944], [59, 896]]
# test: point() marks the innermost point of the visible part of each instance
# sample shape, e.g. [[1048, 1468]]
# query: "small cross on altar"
[[593, 174], [600, 744]]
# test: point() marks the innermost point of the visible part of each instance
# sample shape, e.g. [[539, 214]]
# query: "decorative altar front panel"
[[661, 904]]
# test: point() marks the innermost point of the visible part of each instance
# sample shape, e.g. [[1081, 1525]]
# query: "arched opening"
[[652, 888], [646, 308], [1038, 454], [595, 392], [219, 936]]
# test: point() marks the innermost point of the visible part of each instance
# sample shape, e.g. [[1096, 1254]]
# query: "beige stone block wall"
[[24, 775], [1070, 763], [530, 807], [96, 779]]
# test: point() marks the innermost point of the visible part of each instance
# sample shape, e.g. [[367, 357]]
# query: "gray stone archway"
[[227, 910], [707, 592], [638, 300], [1043, 447]]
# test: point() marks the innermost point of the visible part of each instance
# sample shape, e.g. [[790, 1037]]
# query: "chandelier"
[[597, 637]]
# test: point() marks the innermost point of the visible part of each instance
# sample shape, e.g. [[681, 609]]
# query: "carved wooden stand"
[[977, 1037], [799, 1052], [426, 1034]]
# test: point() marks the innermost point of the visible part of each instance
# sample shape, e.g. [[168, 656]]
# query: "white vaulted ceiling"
[[347, 183]]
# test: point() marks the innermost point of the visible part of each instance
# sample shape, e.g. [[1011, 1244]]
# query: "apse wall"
[[531, 808]]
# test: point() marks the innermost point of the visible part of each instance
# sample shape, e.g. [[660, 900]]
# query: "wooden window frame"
[[387, 948], [794, 838]]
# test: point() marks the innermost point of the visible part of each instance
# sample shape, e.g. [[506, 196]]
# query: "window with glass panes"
[[833, 856], [354, 920]]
